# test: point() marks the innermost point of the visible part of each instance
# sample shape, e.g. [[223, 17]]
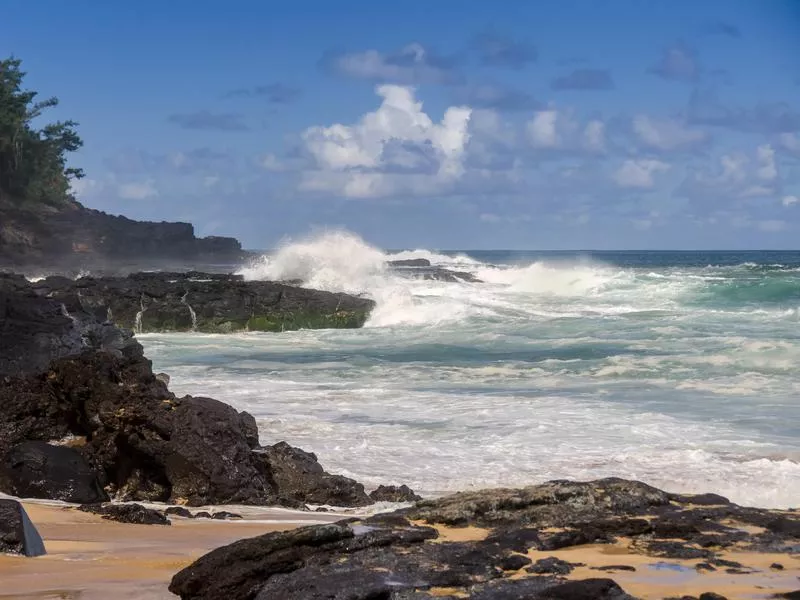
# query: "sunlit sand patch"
[[661, 577], [456, 534], [90, 558]]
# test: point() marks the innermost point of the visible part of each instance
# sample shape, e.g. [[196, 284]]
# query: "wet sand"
[[90, 558]]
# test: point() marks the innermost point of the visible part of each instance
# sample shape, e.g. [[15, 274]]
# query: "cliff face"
[[73, 233]]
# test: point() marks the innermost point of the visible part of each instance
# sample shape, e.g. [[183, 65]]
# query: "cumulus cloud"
[[397, 148], [666, 134], [205, 120], [498, 50], [677, 63], [412, 64], [557, 130], [584, 79], [137, 190], [788, 201], [736, 176], [639, 173], [594, 136]]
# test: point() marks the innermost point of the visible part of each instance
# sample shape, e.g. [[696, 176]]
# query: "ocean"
[[679, 369]]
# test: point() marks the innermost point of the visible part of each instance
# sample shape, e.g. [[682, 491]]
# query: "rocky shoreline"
[[83, 419]]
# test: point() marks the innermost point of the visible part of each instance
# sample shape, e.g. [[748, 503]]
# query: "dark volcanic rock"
[[394, 557], [35, 330], [72, 234], [410, 262], [179, 511], [17, 533], [127, 513], [209, 303], [393, 493], [143, 442], [300, 478], [39, 470]]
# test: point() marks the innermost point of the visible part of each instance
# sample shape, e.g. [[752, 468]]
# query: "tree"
[[33, 162]]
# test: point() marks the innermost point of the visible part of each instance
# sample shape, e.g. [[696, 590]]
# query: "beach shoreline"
[[90, 558]]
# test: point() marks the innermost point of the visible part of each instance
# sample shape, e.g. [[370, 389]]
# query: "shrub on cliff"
[[33, 162]]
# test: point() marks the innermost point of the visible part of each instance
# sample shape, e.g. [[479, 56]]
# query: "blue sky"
[[520, 125]]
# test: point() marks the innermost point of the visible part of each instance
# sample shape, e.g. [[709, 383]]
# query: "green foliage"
[[33, 162]]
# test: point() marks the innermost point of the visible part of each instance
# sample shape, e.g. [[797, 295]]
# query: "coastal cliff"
[[68, 234]]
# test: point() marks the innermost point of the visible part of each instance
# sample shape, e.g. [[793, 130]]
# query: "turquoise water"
[[676, 368]]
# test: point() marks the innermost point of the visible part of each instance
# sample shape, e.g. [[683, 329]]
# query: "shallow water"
[[675, 368]]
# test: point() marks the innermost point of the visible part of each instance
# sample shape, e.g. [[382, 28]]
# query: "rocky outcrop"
[[393, 493], [301, 479], [490, 545], [140, 441], [17, 533], [41, 470], [204, 302], [35, 330], [127, 513], [410, 262], [73, 234]]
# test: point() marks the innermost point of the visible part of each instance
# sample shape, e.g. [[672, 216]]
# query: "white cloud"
[[594, 136], [395, 148], [638, 173], [412, 64], [81, 188], [137, 191], [666, 134], [210, 181], [767, 170], [789, 142], [542, 129], [738, 176], [790, 201]]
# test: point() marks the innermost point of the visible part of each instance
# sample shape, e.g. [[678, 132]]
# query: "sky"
[[624, 124]]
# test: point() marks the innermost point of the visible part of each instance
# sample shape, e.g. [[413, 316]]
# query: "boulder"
[[40, 470], [410, 262], [299, 477], [127, 513], [393, 493], [17, 534]]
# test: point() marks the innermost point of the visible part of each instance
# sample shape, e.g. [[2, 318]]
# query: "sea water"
[[679, 369]]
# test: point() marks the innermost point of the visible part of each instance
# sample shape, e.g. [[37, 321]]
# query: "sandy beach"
[[90, 558]]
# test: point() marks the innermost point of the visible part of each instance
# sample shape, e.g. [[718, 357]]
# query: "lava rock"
[[225, 515], [179, 511], [127, 513], [551, 565], [162, 301], [393, 493], [410, 262], [17, 534], [391, 556], [39, 470], [300, 478]]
